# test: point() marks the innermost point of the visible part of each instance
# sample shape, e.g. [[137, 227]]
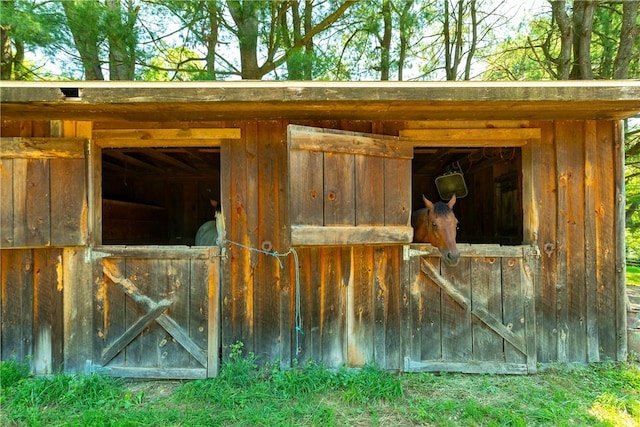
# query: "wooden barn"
[[103, 186]]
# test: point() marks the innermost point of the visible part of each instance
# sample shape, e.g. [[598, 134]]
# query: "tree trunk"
[[404, 37], [245, 16], [563, 62], [6, 56], [582, 29], [122, 40], [474, 39], [628, 35], [212, 39], [385, 42], [82, 19]]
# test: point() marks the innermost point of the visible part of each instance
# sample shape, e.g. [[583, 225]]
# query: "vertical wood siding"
[[31, 311], [576, 301], [43, 201]]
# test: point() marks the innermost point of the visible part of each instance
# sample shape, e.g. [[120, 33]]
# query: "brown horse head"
[[437, 224]]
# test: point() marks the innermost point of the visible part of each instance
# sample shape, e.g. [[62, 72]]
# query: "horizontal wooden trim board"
[[304, 138], [514, 137], [42, 148], [350, 235], [191, 137], [478, 250], [473, 367], [155, 252], [149, 373]]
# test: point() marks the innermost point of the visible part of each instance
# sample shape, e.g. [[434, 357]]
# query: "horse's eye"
[[434, 225]]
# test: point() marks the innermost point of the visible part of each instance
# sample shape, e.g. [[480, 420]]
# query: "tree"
[[246, 16], [25, 26], [121, 35], [84, 20]]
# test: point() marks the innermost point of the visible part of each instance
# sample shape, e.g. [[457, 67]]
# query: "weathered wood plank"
[[397, 181], [183, 338], [339, 189], [132, 332], [606, 215], [310, 297], [514, 137], [151, 373], [212, 337], [272, 321], [514, 286], [171, 279], [572, 139], [227, 269], [466, 124], [473, 367], [166, 133], [590, 237], [382, 291], [345, 235], [562, 247], [619, 233], [530, 277], [544, 179], [6, 203], [152, 251], [393, 312], [360, 300], [342, 142], [457, 342], [450, 289], [486, 305], [41, 148], [370, 204], [332, 308], [37, 203], [48, 311], [17, 304], [69, 206], [429, 314], [306, 186]]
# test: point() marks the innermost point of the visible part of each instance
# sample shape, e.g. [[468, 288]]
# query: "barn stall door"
[[348, 188], [156, 312], [476, 317]]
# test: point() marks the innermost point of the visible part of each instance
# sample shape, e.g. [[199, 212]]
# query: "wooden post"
[[621, 285]]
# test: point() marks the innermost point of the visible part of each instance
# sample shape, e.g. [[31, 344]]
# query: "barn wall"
[[579, 300], [350, 297]]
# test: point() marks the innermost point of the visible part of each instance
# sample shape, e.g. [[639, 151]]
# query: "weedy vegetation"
[[604, 394]]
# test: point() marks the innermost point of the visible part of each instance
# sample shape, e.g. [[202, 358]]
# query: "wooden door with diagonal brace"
[[156, 312], [476, 317]]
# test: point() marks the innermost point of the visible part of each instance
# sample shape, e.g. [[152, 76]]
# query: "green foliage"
[[12, 372], [309, 394]]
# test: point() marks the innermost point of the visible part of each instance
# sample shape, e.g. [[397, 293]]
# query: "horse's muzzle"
[[451, 258]]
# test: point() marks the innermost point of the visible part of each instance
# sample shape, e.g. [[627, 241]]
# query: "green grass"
[[633, 275], [310, 395]]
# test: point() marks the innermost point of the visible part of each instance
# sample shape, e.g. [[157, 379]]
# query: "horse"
[[210, 232], [437, 224]]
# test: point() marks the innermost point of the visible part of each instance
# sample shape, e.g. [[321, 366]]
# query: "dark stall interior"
[[158, 196], [491, 212]]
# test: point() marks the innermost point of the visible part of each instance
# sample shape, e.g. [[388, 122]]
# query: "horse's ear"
[[427, 203], [452, 201]]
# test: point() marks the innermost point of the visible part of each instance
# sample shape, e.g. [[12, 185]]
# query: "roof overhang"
[[313, 100]]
